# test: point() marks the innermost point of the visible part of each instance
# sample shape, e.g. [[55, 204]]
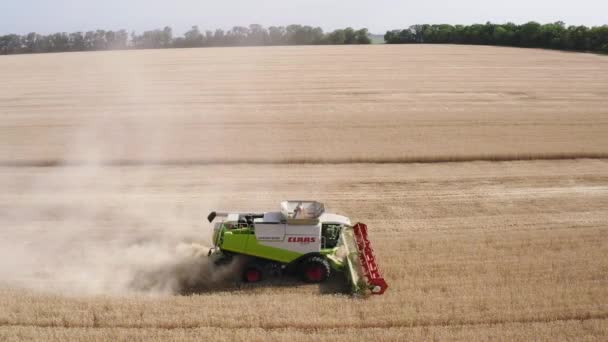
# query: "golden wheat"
[[327, 103]]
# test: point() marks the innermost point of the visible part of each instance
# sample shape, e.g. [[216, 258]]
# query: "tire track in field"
[[312, 161], [307, 327]]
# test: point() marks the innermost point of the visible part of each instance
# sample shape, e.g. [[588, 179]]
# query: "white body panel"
[[334, 218], [232, 217], [297, 238], [297, 227], [269, 231], [302, 230], [272, 216]]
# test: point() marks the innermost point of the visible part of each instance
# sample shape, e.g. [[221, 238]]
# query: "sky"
[[49, 16]]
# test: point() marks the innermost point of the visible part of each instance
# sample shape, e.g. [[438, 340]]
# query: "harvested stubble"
[[472, 251]]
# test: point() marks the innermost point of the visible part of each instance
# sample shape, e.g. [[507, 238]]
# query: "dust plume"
[[90, 229]]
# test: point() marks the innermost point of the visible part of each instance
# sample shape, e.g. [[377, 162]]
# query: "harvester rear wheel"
[[315, 270], [252, 274]]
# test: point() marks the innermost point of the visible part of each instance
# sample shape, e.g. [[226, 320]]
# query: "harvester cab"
[[300, 238]]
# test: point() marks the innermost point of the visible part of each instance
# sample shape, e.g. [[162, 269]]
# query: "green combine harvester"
[[301, 238]]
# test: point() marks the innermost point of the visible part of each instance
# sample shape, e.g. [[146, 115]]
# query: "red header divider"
[[368, 260]]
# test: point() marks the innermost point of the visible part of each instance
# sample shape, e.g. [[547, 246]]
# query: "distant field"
[[310, 103], [110, 161]]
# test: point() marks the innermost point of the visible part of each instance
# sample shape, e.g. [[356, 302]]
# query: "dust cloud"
[[96, 229], [89, 228]]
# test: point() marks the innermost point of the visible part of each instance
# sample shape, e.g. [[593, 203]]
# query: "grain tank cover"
[[302, 212]]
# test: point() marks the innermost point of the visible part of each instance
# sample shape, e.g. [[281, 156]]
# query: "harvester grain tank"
[[300, 238]]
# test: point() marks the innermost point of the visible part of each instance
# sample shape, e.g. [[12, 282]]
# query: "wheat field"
[[480, 171], [310, 103]]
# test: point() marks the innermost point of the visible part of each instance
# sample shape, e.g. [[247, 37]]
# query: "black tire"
[[272, 270], [315, 270]]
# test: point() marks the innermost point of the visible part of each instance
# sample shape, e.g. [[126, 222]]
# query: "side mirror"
[[211, 216]]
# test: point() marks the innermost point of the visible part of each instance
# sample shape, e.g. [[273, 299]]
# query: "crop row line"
[[313, 161], [282, 326]]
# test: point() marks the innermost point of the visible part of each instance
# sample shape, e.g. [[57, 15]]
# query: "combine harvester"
[[301, 238]]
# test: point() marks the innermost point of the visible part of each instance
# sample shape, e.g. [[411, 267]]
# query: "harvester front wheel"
[[315, 270]]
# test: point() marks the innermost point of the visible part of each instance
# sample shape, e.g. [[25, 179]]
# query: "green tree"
[[349, 36], [258, 35], [193, 37], [166, 37], [32, 42], [336, 37], [362, 36], [530, 34], [76, 41], [277, 35]]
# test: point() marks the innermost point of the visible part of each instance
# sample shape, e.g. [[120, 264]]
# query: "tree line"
[[532, 34], [254, 35]]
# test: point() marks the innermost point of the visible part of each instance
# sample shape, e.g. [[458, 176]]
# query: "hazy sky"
[[46, 16]]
